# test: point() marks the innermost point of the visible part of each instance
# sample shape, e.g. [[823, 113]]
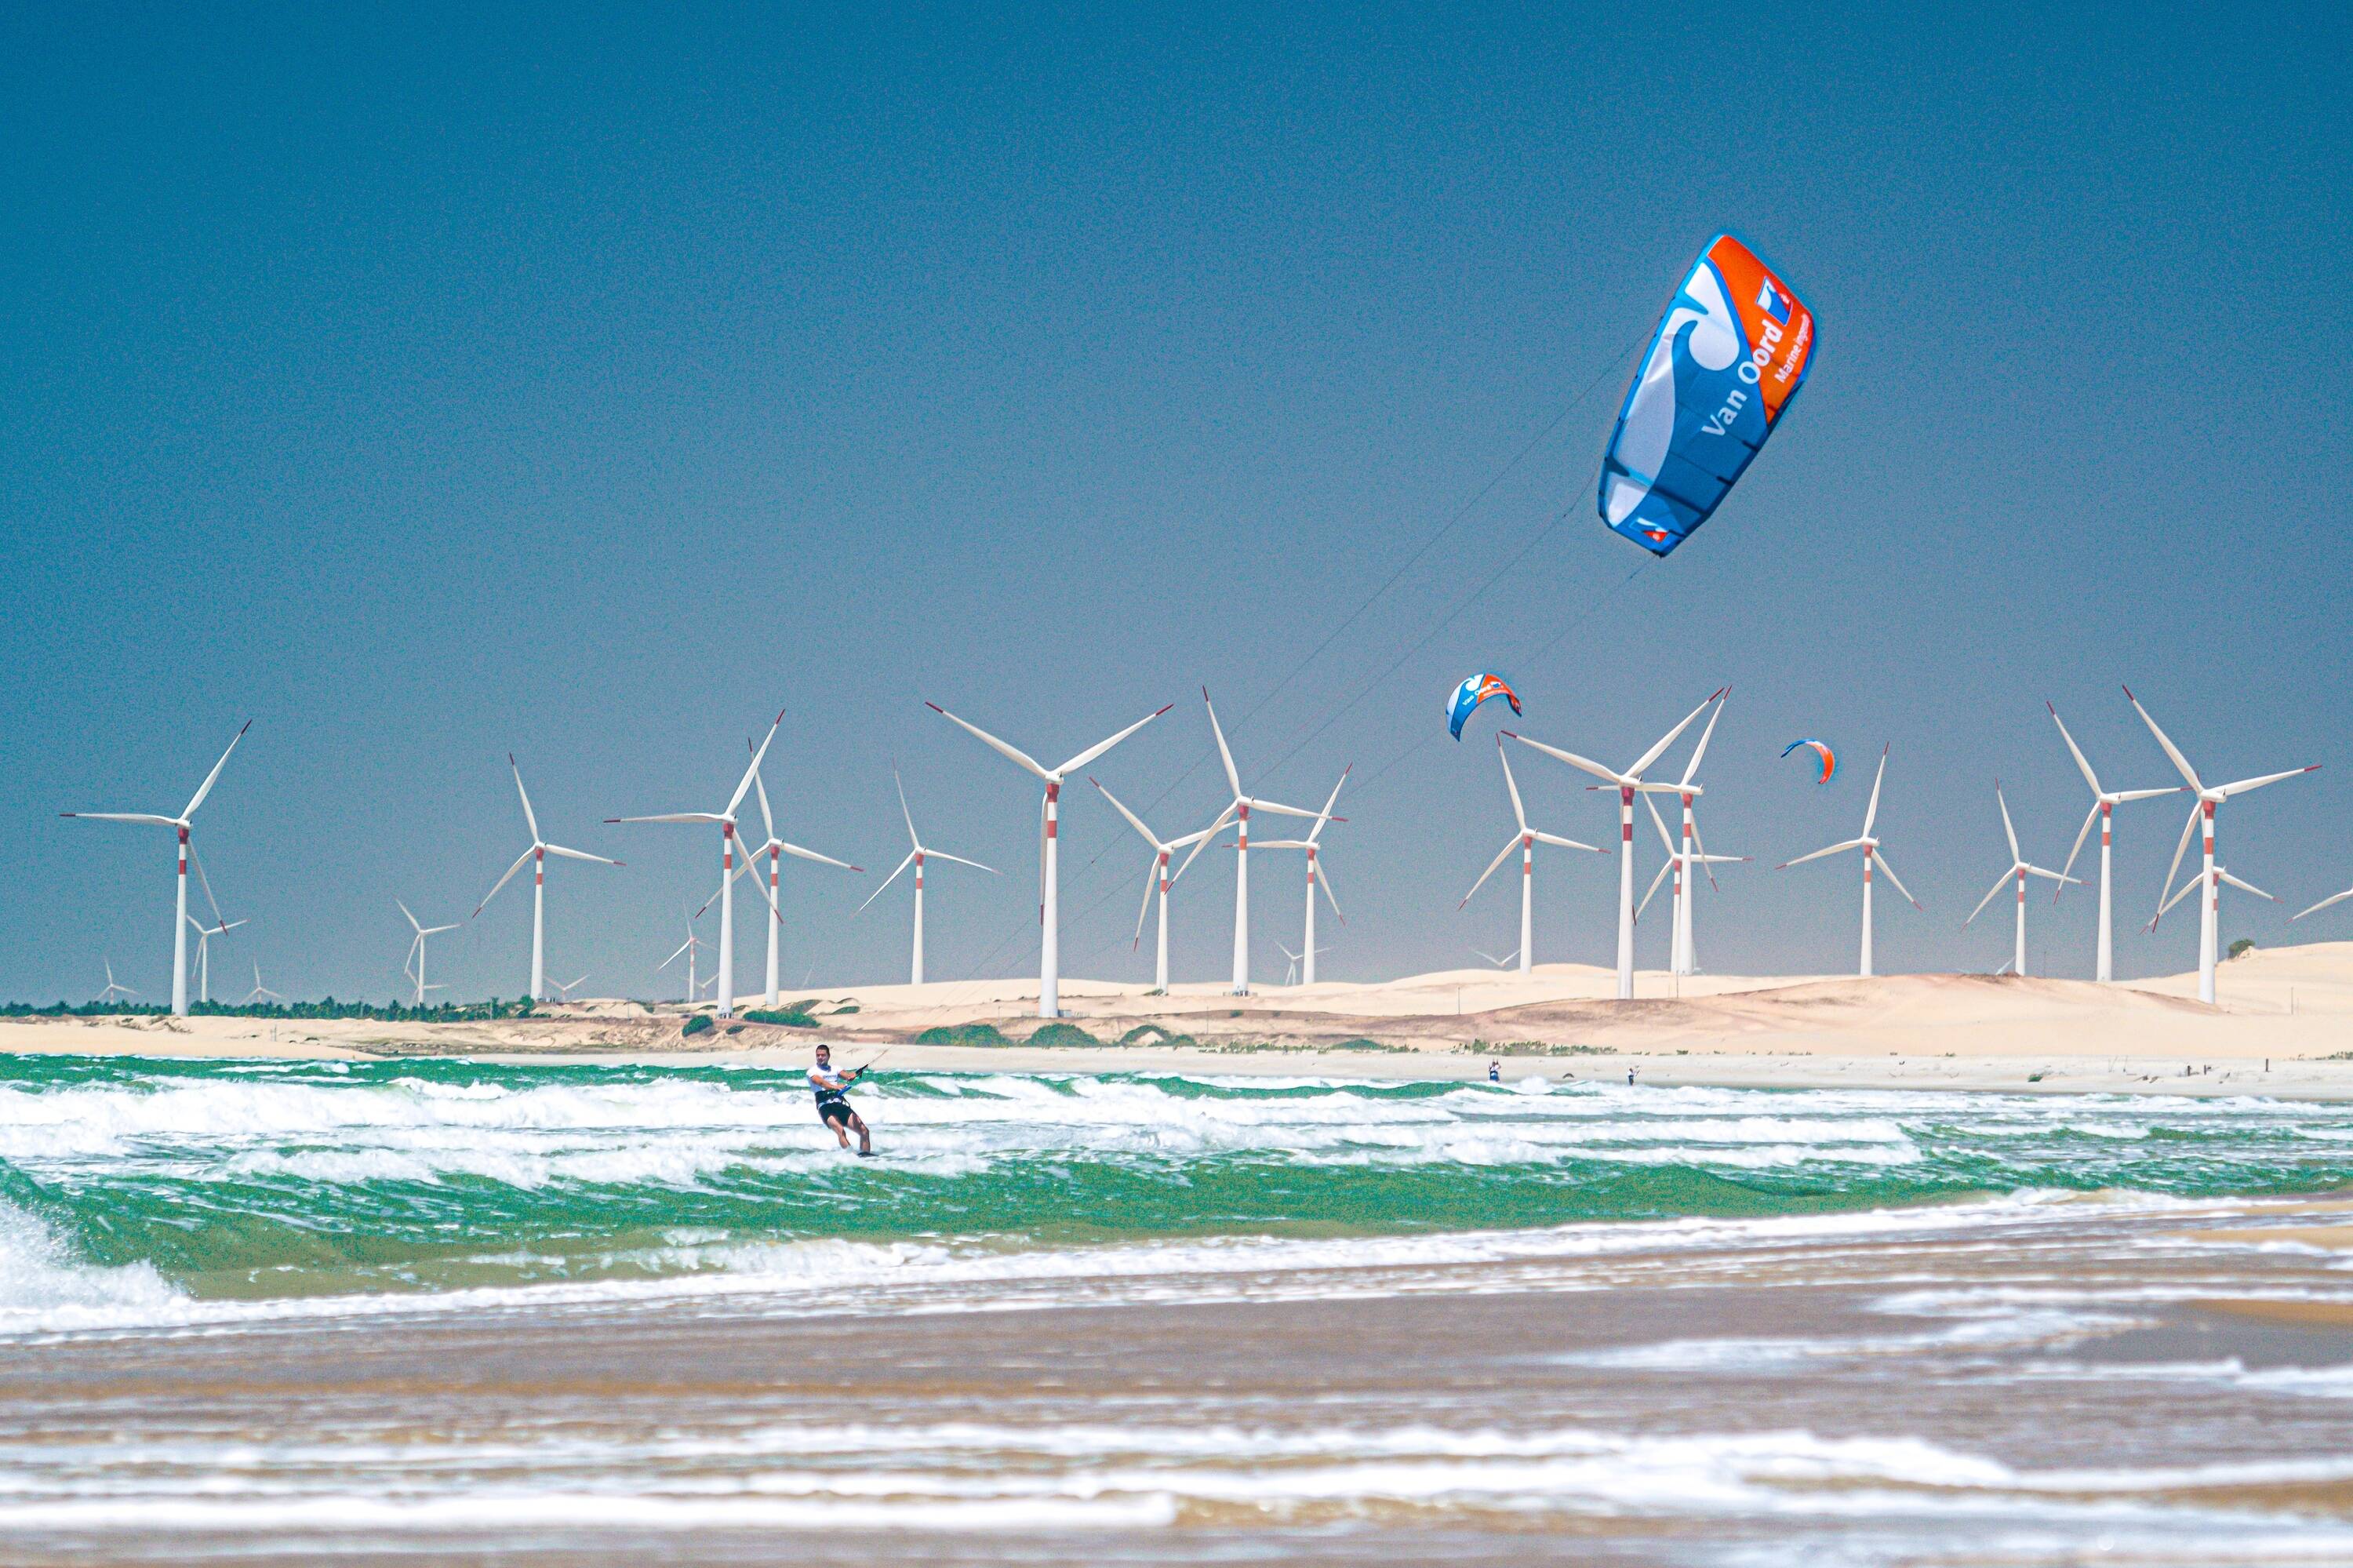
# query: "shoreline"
[[2283, 1029]]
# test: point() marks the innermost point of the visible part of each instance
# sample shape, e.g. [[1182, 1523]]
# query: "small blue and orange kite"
[[1829, 763], [1475, 690]]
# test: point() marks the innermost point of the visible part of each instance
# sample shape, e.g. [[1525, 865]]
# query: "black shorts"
[[832, 1111]]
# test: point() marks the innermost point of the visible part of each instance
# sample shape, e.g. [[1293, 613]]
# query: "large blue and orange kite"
[[1475, 690], [1731, 353]]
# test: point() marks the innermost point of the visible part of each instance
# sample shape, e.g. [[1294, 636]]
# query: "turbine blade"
[[672, 817], [1519, 813], [1509, 845], [502, 881], [1013, 754], [942, 854], [1999, 883], [2008, 831], [147, 818], [2073, 750], [1099, 748], [809, 854], [760, 787], [2197, 807], [1668, 739], [1329, 801], [2125, 795], [2244, 785], [754, 771], [2081, 835], [1585, 763], [1133, 820], [578, 854], [412, 921], [1871, 812], [1665, 866], [2171, 750], [205, 788], [196, 863], [1225, 753], [1151, 878], [1660, 823], [529, 816], [886, 881], [1560, 842], [2332, 898], [900, 786], [1324, 880], [1834, 848], [2244, 886], [1691, 769]]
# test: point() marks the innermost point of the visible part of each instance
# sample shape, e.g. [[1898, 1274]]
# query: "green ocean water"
[[264, 1180]]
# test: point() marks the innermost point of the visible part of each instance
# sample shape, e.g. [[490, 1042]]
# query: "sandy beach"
[[2284, 1027]]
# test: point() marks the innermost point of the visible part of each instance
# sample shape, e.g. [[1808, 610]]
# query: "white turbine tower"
[[726, 820], [1871, 854], [1240, 808], [1050, 915], [2020, 868], [1157, 876], [114, 985], [1523, 838], [203, 959], [538, 853], [1680, 862], [180, 914], [916, 857], [417, 953], [2209, 908], [259, 990], [2103, 803], [774, 849], [1308, 949], [1628, 784]]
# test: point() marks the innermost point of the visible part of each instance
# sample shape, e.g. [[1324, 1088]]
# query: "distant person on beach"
[[1495, 1072], [1629, 1077], [832, 1091]]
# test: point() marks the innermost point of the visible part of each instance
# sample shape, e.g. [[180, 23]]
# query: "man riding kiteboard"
[[832, 1091]]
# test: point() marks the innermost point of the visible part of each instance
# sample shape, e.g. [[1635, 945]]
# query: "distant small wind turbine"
[[205, 934], [2219, 876], [259, 990], [1050, 916], [416, 951], [113, 986], [1871, 854], [1627, 783], [564, 989], [1681, 862], [1239, 810], [1290, 975], [1494, 961], [1157, 876], [2020, 868], [538, 853], [2208, 908], [692, 947], [916, 856], [1307, 948], [2104, 804], [774, 848], [1524, 839], [182, 821]]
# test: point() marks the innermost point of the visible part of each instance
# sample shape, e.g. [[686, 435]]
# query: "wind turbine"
[[538, 853], [1694, 852], [1290, 975], [417, 950], [1871, 852], [1241, 807], [564, 989], [692, 948], [180, 916], [1491, 959], [726, 820], [2207, 801], [1157, 876], [1307, 947], [259, 989], [2021, 868], [1627, 783], [2217, 877], [1526, 841], [114, 985], [916, 856], [203, 962], [2104, 802], [1049, 917], [774, 849]]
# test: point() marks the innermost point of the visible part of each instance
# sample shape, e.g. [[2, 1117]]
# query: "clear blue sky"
[[431, 384]]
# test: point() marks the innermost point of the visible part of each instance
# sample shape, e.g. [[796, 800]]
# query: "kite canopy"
[[1475, 690], [1731, 353], [1829, 763]]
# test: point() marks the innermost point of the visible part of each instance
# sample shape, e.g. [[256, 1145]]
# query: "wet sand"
[[2083, 1380]]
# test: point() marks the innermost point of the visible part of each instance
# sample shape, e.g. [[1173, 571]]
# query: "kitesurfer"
[[832, 1091]]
